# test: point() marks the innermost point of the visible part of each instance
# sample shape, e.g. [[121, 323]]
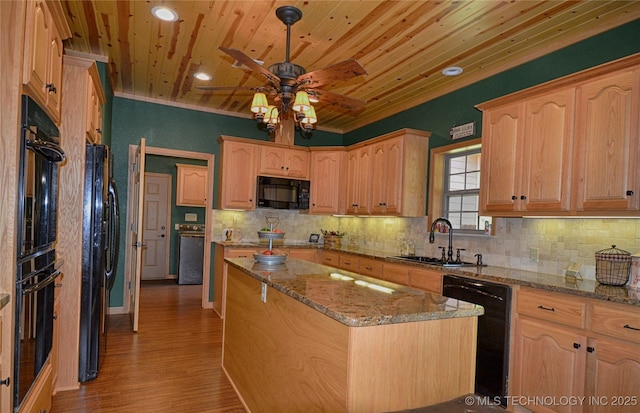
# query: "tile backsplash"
[[557, 241]]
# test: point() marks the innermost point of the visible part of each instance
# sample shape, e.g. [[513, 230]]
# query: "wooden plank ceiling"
[[403, 46]]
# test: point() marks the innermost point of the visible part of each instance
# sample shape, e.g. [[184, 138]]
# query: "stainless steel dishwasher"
[[190, 253], [492, 356]]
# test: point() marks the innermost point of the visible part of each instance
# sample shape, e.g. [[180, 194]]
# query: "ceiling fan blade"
[[248, 62], [337, 100], [331, 74]]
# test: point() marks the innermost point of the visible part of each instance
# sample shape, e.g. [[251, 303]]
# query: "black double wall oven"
[[36, 268]]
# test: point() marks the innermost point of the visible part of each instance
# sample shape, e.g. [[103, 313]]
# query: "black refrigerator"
[[100, 238]]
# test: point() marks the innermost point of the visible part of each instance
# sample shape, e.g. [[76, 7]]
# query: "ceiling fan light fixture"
[[452, 71], [259, 105], [164, 13], [271, 116], [301, 103], [309, 117]]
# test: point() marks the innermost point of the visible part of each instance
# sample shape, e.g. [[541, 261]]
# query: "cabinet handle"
[[328, 259], [513, 197], [627, 326], [51, 88], [629, 193], [6, 381], [576, 345], [368, 268], [590, 349], [282, 168], [523, 197], [98, 131], [546, 308]]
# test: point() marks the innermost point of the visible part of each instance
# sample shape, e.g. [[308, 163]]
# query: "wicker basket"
[[613, 266], [332, 241]]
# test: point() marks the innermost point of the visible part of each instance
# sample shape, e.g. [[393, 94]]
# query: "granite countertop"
[[350, 300], [512, 276]]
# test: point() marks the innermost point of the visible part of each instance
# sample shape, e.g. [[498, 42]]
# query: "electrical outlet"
[[177, 227], [534, 254]]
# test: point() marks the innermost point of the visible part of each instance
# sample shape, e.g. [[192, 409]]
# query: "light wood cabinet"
[[279, 161], [191, 185], [349, 262], [327, 171], [526, 162], [549, 364], [387, 175], [396, 273], [95, 100], [425, 279], [238, 174], [371, 267], [358, 178], [307, 254], [571, 346], [607, 128], [567, 147], [42, 76]]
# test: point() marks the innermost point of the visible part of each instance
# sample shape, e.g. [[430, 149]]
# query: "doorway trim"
[[206, 279]]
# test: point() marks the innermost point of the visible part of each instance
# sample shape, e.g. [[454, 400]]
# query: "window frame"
[[437, 175]]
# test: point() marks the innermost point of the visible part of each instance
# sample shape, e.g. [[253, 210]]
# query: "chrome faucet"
[[432, 236]]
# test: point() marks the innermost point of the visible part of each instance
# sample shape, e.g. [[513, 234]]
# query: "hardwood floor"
[[172, 364]]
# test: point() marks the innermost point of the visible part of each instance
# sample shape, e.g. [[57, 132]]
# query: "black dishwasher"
[[492, 357]]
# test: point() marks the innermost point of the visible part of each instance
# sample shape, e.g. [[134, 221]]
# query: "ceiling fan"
[[291, 85]]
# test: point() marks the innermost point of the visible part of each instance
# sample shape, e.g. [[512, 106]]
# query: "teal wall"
[[176, 128], [167, 165]]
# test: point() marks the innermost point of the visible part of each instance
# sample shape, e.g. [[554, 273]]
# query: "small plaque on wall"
[[462, 131]]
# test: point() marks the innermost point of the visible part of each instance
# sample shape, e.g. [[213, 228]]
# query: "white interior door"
[[155, 254], [137, 233]]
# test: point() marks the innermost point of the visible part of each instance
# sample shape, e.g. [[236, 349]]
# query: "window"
[[455, 186]]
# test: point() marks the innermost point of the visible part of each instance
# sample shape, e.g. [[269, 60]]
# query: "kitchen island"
[[301, 336]]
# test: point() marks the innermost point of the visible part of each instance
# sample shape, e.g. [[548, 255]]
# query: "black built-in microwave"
[[282, 193]]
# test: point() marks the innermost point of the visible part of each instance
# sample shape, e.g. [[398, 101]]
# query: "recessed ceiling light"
[[202, 76], [452, 71], [164, 13]]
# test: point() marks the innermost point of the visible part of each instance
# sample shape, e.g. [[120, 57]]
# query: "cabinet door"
[[54, 78], [327, 182], [297, 164], [272, 161], [428, 280], [501, 131], [37, 48], [349, 262], [94, 114], [276, 161], [307, 254], [191, 185], [238, 178], [613, 375], [608, 111], [330, 258], [549, 364], [395, 273], [358, 181], [547, 154], [386, 177]]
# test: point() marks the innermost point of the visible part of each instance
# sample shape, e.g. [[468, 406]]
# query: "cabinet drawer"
[[616, 321], [349, 262], [396, 273], [371, 268], [239, 253], [330, 258], [558, 308]]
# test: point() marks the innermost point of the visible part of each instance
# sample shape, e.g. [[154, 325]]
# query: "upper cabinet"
[[95, 100], [42, 75], [387, 175], [607, 135], [526, 164], [279, 161], [238, 173], [567, 147], [327, 172], [191, 185]]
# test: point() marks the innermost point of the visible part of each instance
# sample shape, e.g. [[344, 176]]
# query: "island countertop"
[[353, 299]]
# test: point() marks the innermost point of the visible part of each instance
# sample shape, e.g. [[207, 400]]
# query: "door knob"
[[161, 235]]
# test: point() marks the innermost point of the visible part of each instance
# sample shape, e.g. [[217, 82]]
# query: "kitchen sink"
[[436, 261]]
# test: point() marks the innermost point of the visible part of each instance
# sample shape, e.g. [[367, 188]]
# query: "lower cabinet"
[[424, 279], [575, 354], [396, 273]]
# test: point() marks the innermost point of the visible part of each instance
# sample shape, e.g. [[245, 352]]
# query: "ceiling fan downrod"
[[288, 15]]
